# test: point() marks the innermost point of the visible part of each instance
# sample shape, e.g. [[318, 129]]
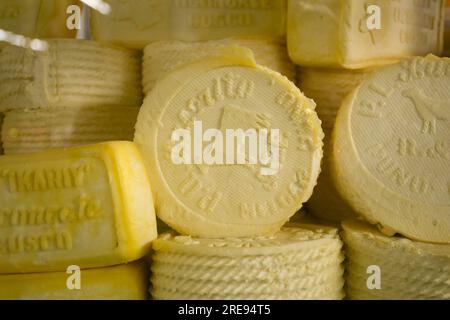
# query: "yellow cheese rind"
[[390, 160], [36, 18], [302, 261], [27, 131], [57, 204], [123, 282], [71, 73], [135, 24], [344, 39], [163, 57], [160, 115], [409, 269]]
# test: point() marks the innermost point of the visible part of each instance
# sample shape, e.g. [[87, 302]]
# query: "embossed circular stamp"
[[233, 149], [392, 148]]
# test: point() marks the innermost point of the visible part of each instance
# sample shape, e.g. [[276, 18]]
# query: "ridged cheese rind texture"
[[36, 18], [27, 131], [135, 24], [409, 269], [299, 262], [345, 40], [123, 282], [163, 57], [328, 88], [447, 30], [71, 73], [91, 206], [391, 152], [269, 95]]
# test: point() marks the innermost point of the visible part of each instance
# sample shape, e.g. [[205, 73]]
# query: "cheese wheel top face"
[[36, 18], [349, 36], [238, 193], [136, 23], [90, 206], [392, 148]]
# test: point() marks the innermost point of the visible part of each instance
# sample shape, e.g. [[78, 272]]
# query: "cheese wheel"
[[135, 24], [71, 73], [408, 269], [299, 262], [228, 196], [26, 131], [391, 151], [36, 18], [328, 88], [163, 57], [357, 35], [123, 282]]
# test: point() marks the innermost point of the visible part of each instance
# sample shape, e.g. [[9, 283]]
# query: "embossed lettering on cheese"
[[392, 148], [239, 199], [408, 28], [65, 206], [137, 23]]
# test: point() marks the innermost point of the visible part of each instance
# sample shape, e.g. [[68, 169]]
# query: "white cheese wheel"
[[237, 199], [391, 149]]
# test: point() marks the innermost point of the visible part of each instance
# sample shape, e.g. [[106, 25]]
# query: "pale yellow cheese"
[[163, 57], [328, 88], [336, 33], [408, 269], [90, 206], [299, 262], [26, 131], [391, 151], [71, 73], [136, 23], [36, 18], [234, 199], [123, 282]]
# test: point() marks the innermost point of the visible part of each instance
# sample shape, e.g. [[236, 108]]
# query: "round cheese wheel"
[[391, 149]]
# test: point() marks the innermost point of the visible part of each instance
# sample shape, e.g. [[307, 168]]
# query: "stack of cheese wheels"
[[381, 267], [163, 57], [391, 151], [328, 88], [298, 262], [335, 61], [76, 92]]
